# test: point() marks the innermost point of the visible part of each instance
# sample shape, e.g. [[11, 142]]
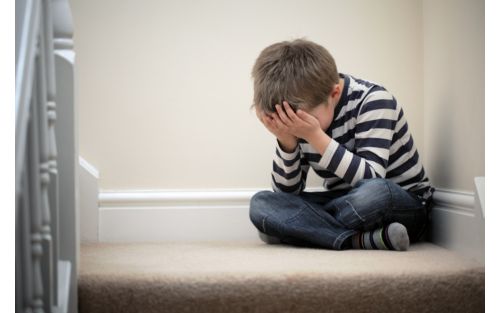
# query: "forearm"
[[342, 162], [319, 140], [349, 166], [287, 174]]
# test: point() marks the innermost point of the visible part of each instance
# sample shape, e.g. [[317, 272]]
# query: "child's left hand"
[[300, 124]]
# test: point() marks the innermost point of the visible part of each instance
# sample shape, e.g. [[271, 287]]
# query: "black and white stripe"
[[370, 139]]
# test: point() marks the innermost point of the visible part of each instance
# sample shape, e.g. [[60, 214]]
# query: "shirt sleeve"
[[374, 129], [289, 173]]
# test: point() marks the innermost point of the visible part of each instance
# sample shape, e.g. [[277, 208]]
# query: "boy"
[[353, 133]]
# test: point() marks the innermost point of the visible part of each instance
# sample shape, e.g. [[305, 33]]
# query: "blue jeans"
[[327, 219]]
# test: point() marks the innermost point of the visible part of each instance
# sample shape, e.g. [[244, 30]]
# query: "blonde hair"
[[299, 71]]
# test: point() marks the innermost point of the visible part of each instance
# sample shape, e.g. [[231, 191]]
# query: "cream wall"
[[164, 87], [453, 33]]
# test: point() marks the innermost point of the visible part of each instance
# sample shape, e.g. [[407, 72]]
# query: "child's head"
[[299, 71]]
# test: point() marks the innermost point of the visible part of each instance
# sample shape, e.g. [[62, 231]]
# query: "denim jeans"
[[326, 219]]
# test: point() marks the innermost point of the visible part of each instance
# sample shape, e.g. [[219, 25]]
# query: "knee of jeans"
[[258, 206], [260, 199], [366, 206], [347, 215]]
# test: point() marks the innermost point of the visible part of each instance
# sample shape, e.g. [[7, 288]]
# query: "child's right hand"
[[288, 142]]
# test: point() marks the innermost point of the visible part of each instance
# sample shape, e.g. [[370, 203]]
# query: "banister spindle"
[[53, 194], [51, 118], [52, 146], [25, 240], [46, 94], [35, 207]]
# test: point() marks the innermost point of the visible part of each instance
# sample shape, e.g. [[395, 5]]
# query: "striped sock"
[[391, 237]]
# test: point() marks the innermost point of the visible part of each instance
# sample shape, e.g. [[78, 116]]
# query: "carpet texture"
[[256, 277]]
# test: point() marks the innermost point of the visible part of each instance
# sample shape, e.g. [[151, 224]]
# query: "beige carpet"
[[255, 277]]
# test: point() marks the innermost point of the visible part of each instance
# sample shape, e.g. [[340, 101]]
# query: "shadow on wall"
[[440, 171]]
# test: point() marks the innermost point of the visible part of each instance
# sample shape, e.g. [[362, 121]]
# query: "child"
[[352, 133]]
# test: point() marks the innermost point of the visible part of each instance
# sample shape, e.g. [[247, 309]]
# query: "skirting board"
[[175, 215], [134, 216], [457, 223]]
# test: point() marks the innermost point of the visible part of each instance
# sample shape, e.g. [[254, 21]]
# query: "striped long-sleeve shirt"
[[370, 138]]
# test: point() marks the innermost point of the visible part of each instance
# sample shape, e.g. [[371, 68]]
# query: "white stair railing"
[[44, 282]]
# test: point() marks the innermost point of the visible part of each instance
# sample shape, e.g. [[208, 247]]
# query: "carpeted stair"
[[256, 277]]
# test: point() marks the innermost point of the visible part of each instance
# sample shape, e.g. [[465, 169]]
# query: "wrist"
[[319, 140], [288, 145]]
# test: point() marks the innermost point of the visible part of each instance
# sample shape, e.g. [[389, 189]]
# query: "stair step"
[[256, 277]]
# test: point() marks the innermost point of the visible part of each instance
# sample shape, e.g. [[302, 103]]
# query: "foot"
[[391, 237]]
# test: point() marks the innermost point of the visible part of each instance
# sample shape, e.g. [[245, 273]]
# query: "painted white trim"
[[458, 200], [185, 197], [479, 182], [454, 199], [64, 280], [185, 215], [88, 167], [458, 223], [109, 198], [88, 194]]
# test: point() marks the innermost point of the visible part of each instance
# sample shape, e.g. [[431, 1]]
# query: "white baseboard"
[[180, 215], [136, 216], [458, 223]]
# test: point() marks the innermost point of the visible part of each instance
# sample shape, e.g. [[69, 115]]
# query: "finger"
[[289, 111], [264, 118], [306, 116], [278, 122], [282, 115], [275, 116], [268, 122]]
